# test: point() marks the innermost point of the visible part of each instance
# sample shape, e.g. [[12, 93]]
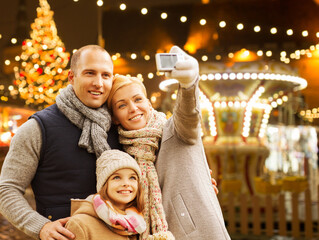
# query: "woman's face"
[[131, 108], [122, 187]]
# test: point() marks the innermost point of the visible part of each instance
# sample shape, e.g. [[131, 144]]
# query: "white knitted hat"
[[109, 162]]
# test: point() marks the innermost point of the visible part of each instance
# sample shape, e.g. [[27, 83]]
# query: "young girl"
[[115, 212], [192, 208]]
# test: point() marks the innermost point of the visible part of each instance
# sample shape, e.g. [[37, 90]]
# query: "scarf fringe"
[[161, 236]]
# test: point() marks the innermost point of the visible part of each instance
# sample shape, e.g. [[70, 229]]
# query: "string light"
[[164, 15], [240, 26], [202, 21], [183, 19], [144, 11], [222, 24], [122, 6], [257, 29]]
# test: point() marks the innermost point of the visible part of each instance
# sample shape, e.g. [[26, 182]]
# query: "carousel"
[[236, 101]]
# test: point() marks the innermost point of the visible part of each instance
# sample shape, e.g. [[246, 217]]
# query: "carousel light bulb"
[[237, 104], [133, 56], [232, 76], [223, 104], [217, 104], [218, 76], [246, 76], [210, 76], [203, 77], [7, 62], [254, 76], [225, 76], [260, 53]]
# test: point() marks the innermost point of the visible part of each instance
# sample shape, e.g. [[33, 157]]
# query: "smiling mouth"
[[125, 192], [95, 93], [137, 117]]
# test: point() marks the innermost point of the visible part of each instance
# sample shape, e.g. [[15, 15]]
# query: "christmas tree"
[[42, 71]]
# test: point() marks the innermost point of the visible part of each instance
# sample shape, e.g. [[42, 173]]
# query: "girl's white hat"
[[109, 162]]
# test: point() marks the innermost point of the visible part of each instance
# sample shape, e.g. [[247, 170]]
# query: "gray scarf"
[[95, 123]]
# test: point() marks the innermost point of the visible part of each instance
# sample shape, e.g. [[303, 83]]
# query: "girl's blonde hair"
[[120, 81], [138, 201]]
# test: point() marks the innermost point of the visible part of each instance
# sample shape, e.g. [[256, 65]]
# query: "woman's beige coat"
[[190, 203], [86, 225]]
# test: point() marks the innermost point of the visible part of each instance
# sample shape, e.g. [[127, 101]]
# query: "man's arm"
[[17, 172]]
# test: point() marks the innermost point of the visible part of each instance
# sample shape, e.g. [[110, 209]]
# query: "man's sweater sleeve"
[[17, 172], [187, 114]]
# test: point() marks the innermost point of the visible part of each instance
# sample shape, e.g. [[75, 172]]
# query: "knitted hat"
[[109, 162]]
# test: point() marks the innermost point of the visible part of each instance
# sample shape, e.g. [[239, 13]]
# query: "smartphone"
[[167, 61]]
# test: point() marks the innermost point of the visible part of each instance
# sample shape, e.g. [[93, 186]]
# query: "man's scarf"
[[95, 123], [143, 145], [130, 223]]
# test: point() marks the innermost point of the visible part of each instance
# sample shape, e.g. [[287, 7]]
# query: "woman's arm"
[[186, 114]]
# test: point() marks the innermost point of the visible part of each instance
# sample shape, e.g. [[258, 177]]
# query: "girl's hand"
[[214, 182]]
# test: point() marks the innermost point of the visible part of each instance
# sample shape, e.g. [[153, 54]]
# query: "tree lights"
[[42, 72]]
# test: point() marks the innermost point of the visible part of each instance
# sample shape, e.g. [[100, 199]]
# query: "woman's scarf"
[[143, 145], [95, 123], [130, 223]]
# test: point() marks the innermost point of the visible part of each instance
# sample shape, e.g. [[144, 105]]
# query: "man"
[[45, 150]]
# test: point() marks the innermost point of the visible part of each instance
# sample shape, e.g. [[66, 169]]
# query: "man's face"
[[93, 78]]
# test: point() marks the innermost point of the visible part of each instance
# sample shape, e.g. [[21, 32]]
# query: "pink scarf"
[[130, 223]]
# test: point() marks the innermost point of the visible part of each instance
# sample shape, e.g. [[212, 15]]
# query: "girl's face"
[[122, 187], [131, 108]]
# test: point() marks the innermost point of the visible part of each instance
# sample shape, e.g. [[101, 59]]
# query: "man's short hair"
[[77, 55]]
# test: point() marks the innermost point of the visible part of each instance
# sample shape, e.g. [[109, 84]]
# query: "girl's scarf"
[[130, 223], [95, 123], [143, 145]]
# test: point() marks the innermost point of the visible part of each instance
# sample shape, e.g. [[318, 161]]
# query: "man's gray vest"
[[65, 170]]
